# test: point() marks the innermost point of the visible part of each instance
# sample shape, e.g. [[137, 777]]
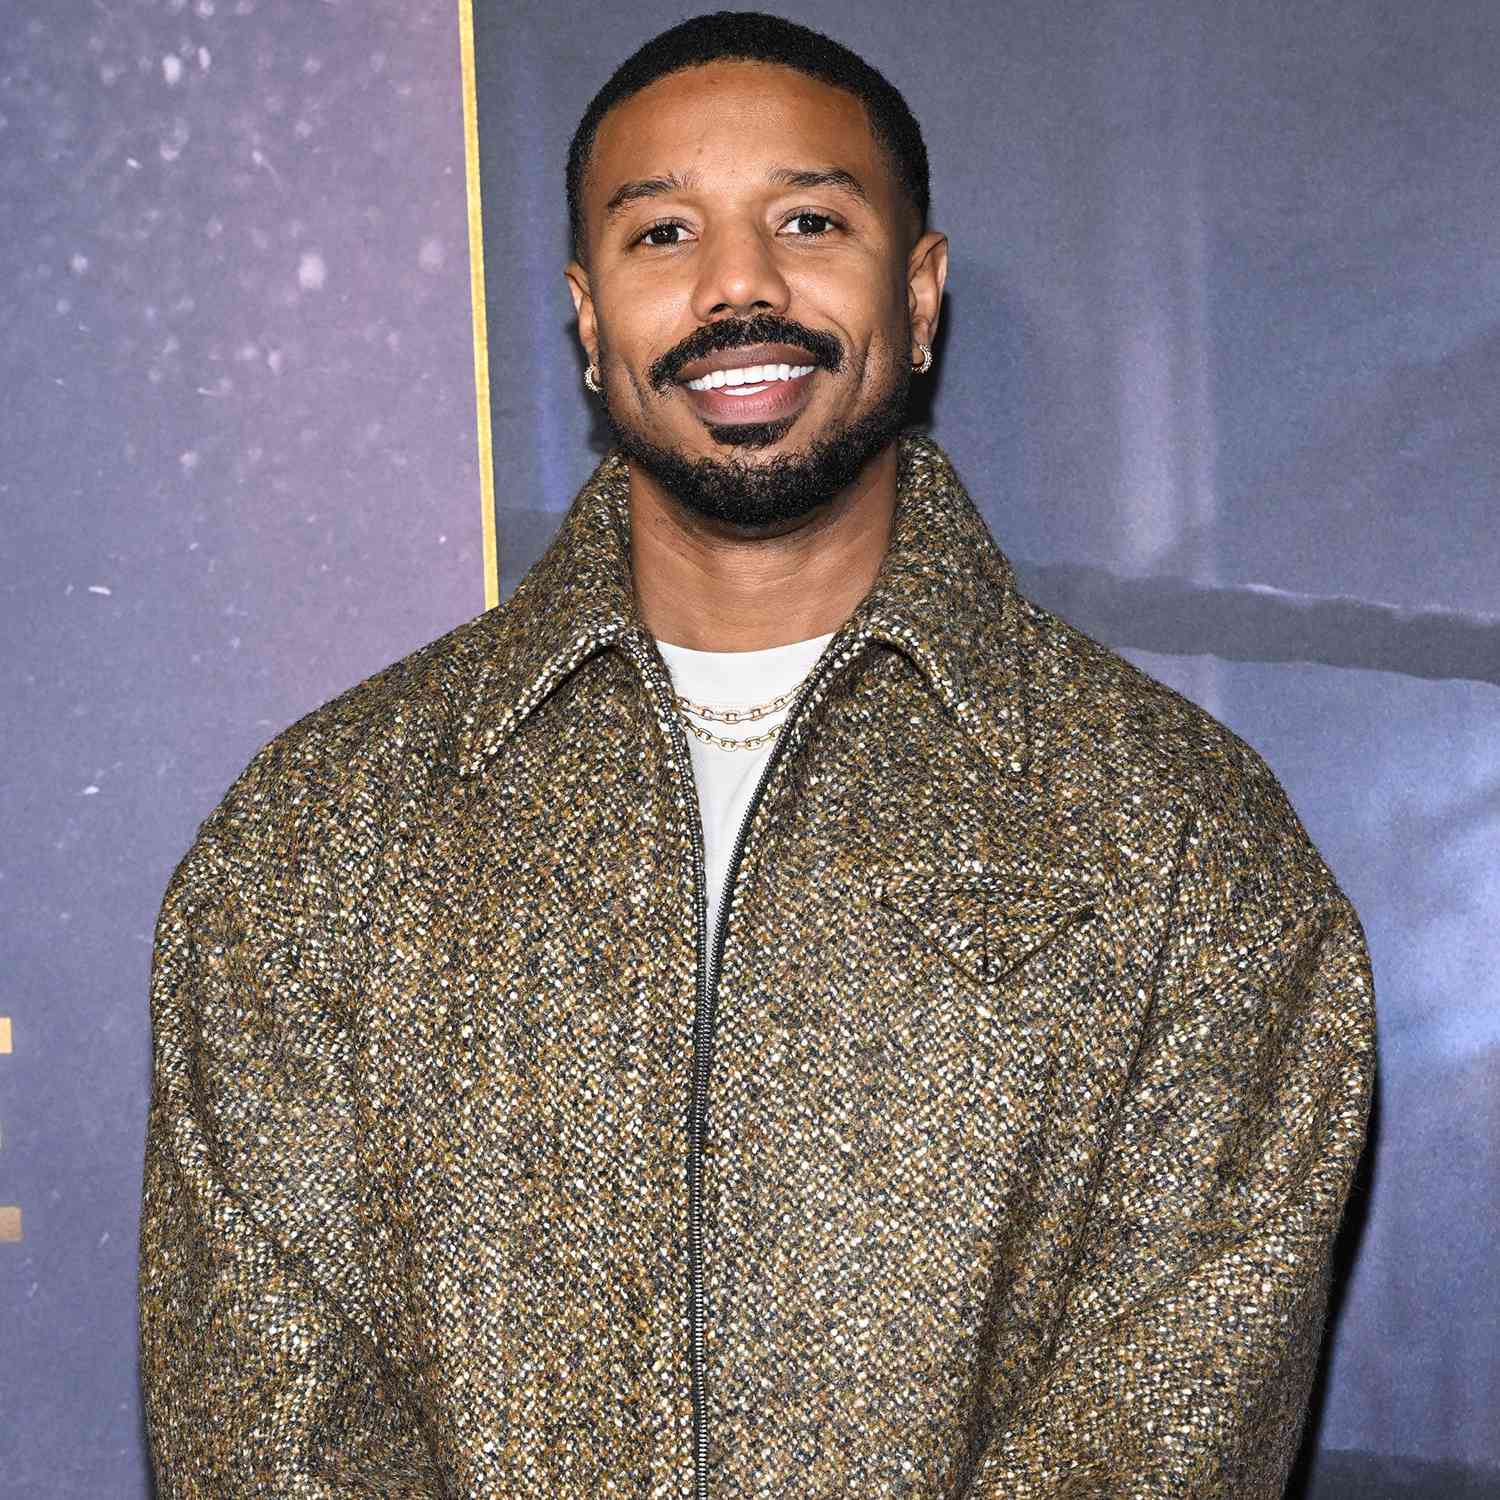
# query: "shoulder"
[[1161, 771], [317, 798]]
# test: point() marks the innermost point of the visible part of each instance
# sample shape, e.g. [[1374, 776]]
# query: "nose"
[[738, 274]]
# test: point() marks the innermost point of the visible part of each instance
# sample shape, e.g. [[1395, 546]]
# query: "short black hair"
[[750, 36]]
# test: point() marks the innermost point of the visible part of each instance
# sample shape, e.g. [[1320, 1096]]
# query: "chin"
[[734, 486], [743, 435]]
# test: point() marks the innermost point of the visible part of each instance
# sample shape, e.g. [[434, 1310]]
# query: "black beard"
[[788, 487]]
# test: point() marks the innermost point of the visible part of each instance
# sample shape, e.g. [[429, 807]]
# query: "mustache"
[[826, 351]]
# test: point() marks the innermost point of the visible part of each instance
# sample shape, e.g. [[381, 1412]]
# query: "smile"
[[751, 385], [750, 380]]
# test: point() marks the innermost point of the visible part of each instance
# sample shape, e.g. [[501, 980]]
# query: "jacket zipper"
[[703, 1025]]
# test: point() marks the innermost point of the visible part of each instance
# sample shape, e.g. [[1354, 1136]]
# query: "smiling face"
[[754, 286]]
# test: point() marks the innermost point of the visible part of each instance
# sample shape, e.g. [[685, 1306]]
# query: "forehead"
[[731, 120]]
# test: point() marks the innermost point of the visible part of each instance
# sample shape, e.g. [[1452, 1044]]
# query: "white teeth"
[[757, 375]]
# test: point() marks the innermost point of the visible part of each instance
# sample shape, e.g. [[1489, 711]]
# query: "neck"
[[712, 587]]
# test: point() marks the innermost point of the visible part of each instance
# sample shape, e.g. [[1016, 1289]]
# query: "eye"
[[809, 222], [663, 234]]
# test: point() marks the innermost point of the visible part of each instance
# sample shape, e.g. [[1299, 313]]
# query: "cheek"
[[630, 331], [877, 331], [886, 350]]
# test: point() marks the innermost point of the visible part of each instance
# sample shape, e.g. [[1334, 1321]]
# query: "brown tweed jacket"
[[992, 1148]]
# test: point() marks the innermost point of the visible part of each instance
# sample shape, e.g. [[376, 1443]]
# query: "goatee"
[[785, 488]]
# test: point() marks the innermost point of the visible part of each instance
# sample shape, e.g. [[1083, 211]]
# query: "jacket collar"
[[944, 595]]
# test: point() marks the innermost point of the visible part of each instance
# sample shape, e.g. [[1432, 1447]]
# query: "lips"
[[761, 383], [745, 380], [745, 356]]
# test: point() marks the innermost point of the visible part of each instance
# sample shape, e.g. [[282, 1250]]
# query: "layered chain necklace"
[[736, 716]]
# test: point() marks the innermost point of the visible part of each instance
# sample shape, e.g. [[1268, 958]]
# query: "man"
[[767, 1011]]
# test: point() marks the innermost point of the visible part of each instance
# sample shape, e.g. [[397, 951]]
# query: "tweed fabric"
[[1042, 1049]]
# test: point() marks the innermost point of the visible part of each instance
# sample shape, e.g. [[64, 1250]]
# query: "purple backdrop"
[[237, 474]]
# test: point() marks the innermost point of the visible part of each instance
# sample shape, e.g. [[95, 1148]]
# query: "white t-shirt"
[[726, 779]]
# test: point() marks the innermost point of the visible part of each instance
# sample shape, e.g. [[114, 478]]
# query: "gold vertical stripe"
[[4, 1033], [10, 1222], [476, 297]]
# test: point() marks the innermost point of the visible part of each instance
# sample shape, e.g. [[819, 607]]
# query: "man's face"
[[753, 289]]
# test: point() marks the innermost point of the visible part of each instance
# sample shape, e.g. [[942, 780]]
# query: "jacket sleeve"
[[1188, 1345], [257, 1377]]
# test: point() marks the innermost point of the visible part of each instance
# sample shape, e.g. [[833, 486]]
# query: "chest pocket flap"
[[986, 919]]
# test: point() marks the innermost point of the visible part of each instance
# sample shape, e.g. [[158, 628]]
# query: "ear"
[[926, 271], [583, 305]]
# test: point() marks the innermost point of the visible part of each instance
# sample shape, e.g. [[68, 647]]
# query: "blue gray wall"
[[1220, 361]]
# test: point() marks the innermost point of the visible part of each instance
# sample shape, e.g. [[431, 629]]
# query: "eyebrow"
[[646, 187], [796, 177], [807, 177]]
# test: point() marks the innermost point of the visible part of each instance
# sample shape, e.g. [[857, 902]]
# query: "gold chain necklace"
[[752, 742], [738, 715], [735, 716]]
